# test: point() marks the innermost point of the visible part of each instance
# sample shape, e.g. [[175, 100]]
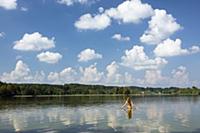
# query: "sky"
[[116, 42]]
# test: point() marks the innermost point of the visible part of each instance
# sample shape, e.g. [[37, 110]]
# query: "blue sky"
[[133, 42]]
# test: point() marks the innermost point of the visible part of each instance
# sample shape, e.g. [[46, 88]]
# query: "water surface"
[[100, 114]]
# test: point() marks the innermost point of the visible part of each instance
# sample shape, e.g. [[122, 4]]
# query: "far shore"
[[74, 95], [48, 90]]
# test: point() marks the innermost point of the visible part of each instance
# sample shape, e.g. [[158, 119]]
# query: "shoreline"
[[47, 90], [96, 95]]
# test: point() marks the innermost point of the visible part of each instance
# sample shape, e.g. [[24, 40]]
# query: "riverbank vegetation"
[[12, 89]]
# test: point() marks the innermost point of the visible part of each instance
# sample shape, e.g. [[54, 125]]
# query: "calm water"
[[100, 114]]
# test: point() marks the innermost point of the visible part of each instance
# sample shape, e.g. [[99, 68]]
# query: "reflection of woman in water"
[[129, 113]]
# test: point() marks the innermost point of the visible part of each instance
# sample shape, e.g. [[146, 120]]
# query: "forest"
[[13, 89]]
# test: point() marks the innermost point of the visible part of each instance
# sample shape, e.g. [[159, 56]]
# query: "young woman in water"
[[128, 103]]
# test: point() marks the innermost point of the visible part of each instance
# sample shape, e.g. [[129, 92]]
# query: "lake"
[[101, 114]]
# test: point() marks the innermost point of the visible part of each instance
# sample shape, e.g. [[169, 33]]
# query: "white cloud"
[[49, 57], [152, 77], [38, 77], [91, 74], [137, 59], [180, 76], [130, 11], [113, 75], [24, 9], [22, 73], [119, 37], [2, 34], [170, 48], [71, 2], [101, 9], [161, 26], [67, 75], [129, 79], [54, 76], [96, 22], [173, 48], [194, 49], [8, 4], [112, 69], [88, 54], [34, 42]]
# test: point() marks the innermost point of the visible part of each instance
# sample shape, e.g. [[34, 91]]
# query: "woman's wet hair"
[[129, 101]]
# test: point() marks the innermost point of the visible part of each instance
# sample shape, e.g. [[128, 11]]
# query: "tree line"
[[13, 89]]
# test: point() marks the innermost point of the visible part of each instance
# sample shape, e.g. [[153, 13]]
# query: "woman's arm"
[[124, 104]]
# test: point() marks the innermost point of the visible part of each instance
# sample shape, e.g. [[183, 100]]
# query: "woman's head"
[[129, 100]]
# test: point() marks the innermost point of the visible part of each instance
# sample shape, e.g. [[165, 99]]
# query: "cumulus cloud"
[[119, 37], [130, 11], [137, 59], [22, 73], [8, 4], [84, 75], [96, 22], [173, 48], [49, 57], [180, 76], [34, 42], [194, 49], [71, 2], [67, 75], [152, 77], [170, 48], [38, 77], [91, 74], [113, 75], [112, 69], [88, 54], [161, 26]]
